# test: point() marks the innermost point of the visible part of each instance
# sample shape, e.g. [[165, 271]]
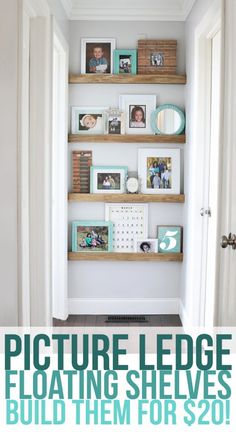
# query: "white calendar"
[[130, 221]]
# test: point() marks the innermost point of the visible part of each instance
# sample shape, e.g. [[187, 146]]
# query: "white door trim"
[[59, 175], [34, 199], [23, 169]]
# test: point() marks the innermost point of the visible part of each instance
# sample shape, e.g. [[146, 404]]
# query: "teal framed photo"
[[108, 179], [125, 61], [92, 236], [169, 239]]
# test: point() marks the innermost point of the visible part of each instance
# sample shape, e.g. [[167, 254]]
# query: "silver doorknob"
[[204, 212], [228, 241]]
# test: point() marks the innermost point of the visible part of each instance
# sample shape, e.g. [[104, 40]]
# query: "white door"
[[226, 292], [210, 213], [202, 235]]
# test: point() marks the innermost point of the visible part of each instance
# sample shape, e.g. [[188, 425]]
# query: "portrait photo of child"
[[97, 55], [137, 116]]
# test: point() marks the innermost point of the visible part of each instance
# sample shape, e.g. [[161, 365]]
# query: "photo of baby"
[[137, 116], [90, 121], [146, 246]]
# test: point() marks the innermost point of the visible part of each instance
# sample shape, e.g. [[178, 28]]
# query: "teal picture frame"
[[169, 239], [158, 110], [117, 173], [129, 59], [101, 236]]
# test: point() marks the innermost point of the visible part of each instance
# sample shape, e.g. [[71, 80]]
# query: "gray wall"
[[125, 279], [59, 13], [8, 162]]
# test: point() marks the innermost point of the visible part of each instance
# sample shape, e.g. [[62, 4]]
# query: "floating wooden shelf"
[[164, 139], [117, 256], [126, 79], [127, 198]]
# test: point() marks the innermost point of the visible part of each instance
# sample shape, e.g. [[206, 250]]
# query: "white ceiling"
[[128, 10]]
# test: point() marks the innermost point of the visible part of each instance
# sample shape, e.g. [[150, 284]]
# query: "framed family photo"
[[108, 179], [169, 239], [159, 171], [91, 236], [97, 55], [125, 61], [88, 120], [138, 109]]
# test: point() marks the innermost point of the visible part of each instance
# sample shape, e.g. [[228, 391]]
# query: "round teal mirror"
[[168, 120]]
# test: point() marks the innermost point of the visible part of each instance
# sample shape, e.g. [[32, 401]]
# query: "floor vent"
[[126, 318]]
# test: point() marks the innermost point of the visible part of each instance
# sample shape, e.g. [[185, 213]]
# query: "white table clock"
[[132, 183]]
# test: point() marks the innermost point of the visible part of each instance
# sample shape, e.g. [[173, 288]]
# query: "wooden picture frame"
[[157, 57], [125, 61], [91, 236], [97, 55]]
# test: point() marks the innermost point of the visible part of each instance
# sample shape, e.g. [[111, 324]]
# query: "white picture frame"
[[159, 171], [88, 47], [146, 245], [138, 110], [130, 221], [88, 120]]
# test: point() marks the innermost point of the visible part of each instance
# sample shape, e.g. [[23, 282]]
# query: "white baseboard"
[[186, 322], [108, 306]]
